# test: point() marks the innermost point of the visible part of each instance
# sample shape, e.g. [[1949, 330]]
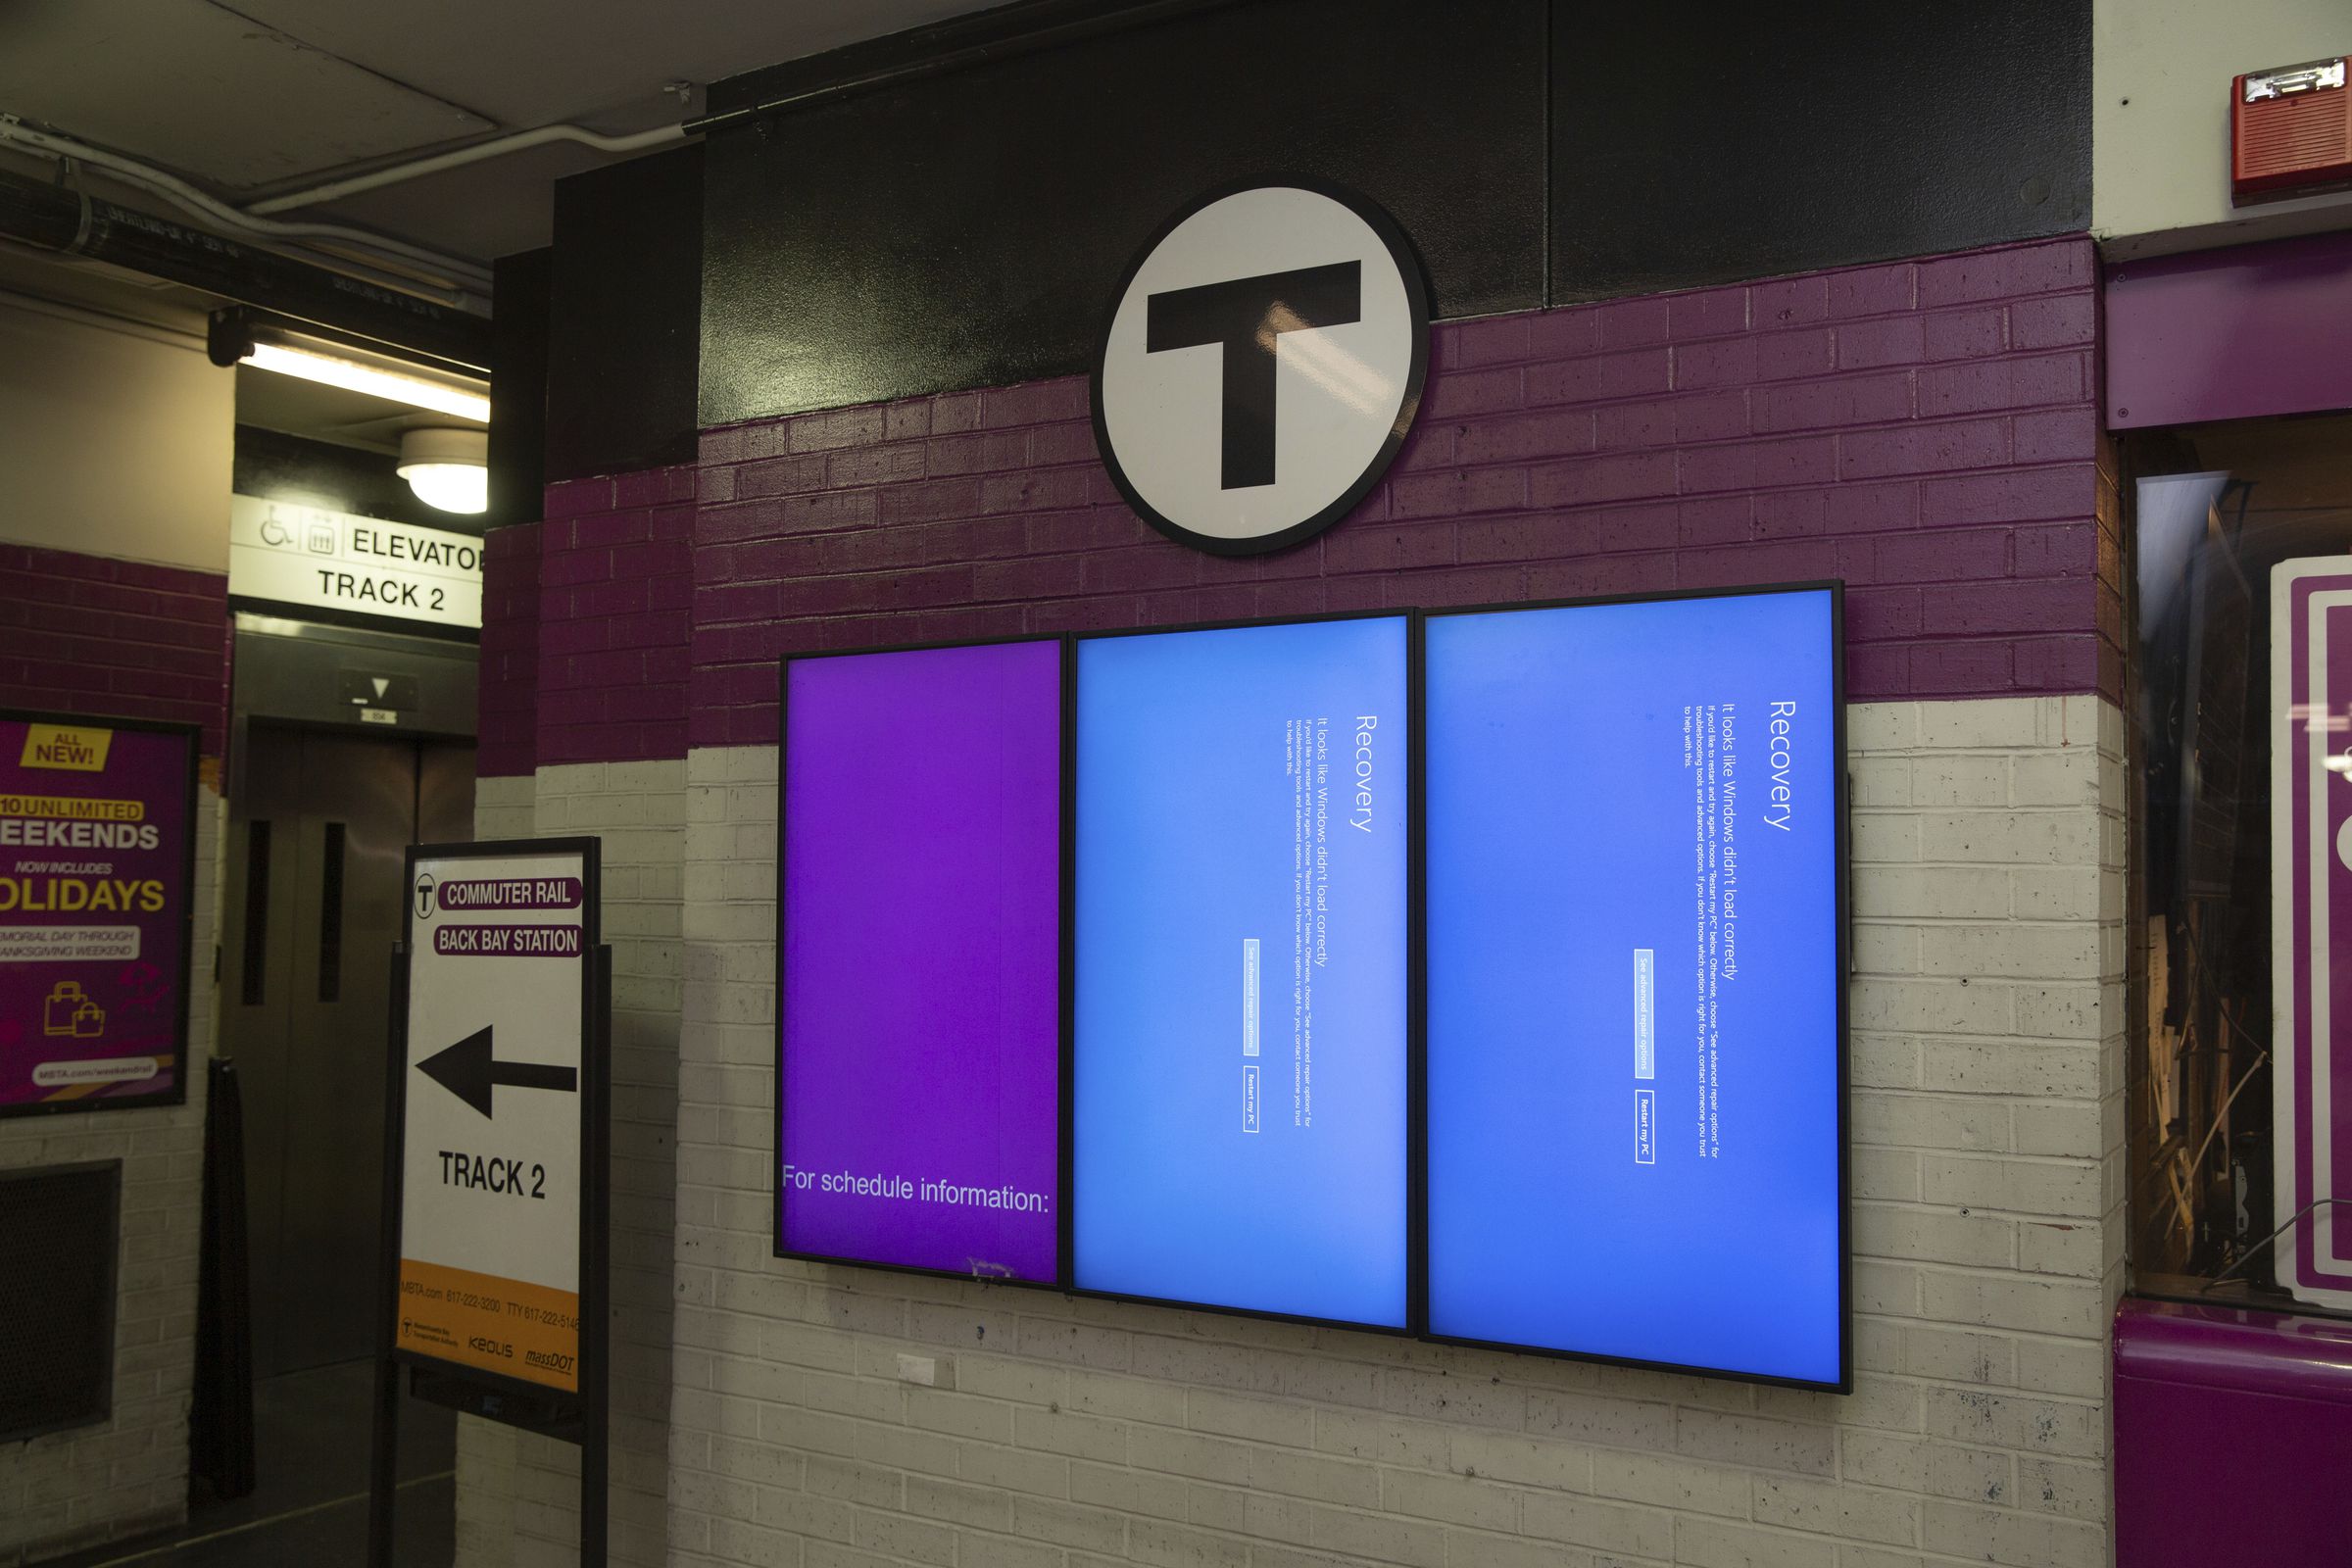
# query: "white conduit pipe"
[[185, 195], [496, 147]]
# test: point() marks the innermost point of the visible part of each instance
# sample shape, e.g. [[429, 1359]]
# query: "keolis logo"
[[1263, 362]]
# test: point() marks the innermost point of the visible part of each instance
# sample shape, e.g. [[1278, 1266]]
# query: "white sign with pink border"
[[2311, 930]]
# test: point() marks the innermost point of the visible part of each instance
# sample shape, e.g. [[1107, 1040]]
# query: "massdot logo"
[[1263, 362]]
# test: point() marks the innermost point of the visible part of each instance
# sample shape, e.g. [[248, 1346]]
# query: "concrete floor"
[[310, 1506]]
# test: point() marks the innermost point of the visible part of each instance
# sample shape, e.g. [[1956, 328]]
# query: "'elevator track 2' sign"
[[499, 1054], [1263, 362], [311, 559]]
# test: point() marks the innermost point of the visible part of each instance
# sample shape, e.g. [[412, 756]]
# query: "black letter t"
[[1245, 315]]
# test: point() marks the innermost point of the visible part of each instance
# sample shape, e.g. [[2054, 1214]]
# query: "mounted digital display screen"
[[1634, 1040], [920, 960], [1241, 963]]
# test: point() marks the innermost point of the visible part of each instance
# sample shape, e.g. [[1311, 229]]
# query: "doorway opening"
[[347, 745]]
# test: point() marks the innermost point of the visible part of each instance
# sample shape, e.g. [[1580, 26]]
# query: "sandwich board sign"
[[496, 1170]]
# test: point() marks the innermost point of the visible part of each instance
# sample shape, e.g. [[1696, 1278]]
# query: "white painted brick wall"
[[505, 807], [518, 1493], [1988, 1066], [92, 1484]]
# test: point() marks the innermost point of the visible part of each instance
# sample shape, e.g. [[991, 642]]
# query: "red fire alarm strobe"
[[2290, 131]]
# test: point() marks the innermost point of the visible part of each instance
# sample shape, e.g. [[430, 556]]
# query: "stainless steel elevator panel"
[[445, 795], [315, 899], [257, 964]]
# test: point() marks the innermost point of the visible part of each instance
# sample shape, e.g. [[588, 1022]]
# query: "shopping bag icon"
[[67, 1011]]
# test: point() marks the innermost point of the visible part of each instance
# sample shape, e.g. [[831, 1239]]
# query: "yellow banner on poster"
[[68, 748], [72, 808], [499, 1325]]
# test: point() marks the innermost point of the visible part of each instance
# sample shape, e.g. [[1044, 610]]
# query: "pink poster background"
[[86, 1022]]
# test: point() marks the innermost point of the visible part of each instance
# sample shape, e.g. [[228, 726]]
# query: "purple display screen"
[[919, 1081]]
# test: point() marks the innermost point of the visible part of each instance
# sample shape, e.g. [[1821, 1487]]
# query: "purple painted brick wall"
[[89, 634], [613, 595], [1927, 430]]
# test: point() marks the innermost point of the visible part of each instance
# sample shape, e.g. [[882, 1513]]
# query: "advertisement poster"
[[1242, 951], [491, 1148], [97, 848], [2311, 923], [920, 954], [1634, 972]]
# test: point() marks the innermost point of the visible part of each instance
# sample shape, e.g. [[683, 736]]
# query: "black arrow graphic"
[[468, 1071]]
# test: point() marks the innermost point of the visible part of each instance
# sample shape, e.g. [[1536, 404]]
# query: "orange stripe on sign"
[[524, 1331]]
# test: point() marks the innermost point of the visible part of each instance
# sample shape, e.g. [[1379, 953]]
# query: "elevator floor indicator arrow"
[[468, 1071]]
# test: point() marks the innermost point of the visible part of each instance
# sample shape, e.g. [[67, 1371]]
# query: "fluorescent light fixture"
[[353, 376], [448, 469]]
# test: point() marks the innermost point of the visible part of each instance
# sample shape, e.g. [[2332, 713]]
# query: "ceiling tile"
[[270, 95], [536, 62], [200, 89]]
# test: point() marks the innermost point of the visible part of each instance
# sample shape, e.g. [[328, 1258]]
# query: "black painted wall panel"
[[276, 467], [518, 344], [963, 227], [966, 229], [623, 331], [1697, 142]]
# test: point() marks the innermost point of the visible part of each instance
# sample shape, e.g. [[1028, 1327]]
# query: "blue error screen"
[[1240, 1027], [1632, 949]]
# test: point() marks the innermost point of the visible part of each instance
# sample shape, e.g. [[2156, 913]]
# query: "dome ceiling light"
[[448, 469]]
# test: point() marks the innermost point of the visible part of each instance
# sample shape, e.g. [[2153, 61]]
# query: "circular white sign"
[[1261, 365]]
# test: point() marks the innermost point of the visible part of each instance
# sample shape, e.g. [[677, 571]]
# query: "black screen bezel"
[[1416, 1326]]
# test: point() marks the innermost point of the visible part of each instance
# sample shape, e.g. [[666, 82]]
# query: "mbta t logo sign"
[[1262, 364]]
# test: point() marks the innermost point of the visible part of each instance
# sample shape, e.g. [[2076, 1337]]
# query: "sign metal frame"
[[581, 1415], [177, 1094]]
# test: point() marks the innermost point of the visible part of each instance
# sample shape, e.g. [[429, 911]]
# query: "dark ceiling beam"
[[52, 218], [956, 44]]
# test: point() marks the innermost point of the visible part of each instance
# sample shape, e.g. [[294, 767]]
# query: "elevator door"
[[314, 900]]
